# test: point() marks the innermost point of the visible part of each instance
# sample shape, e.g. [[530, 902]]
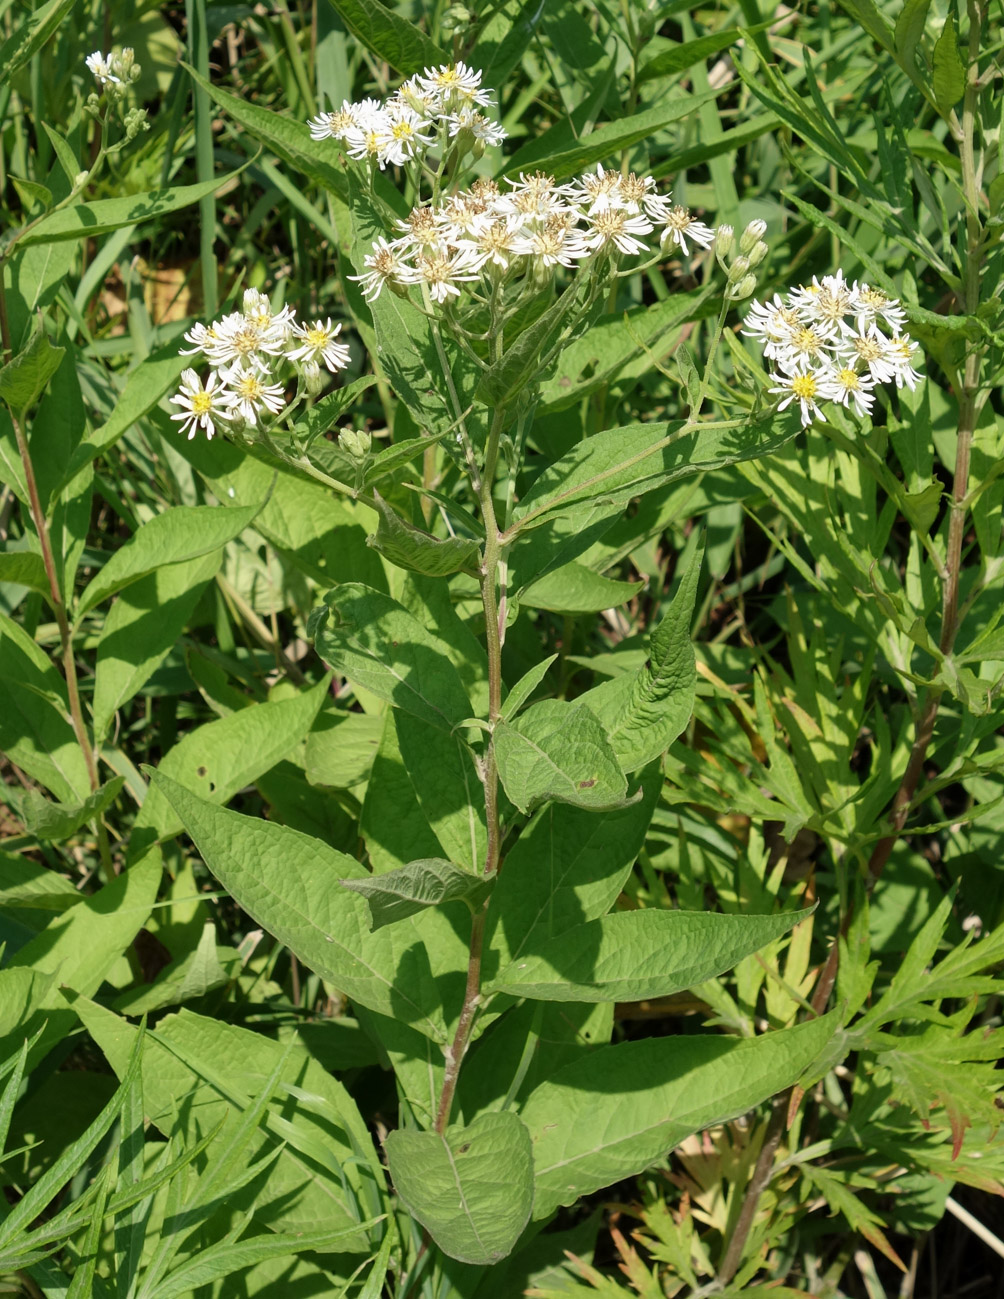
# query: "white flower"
[[808, 343], [682, 225], [239, 341], [497, 242], [100, 66], [249, 395], [482, 128], [257, 311], [385, 263], [319, 345], [369, 139], [422, 231], [402, 134], [335, 125], [600, 190], [535, 196], [844, 384], [555, 242], [869, 347], [202, 404], [614, 225], [442, 272], [454, 84], [869, 304], [200, 336], [828, 301], [771, 322], [803, 387], [901, 351]]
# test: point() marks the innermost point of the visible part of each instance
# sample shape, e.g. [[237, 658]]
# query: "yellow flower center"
[[804, 386], [849, 380], [202, 403]]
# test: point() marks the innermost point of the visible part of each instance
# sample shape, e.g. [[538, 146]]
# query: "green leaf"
[[567, 866], [79, 947], [156, 375], [949, 76], [182, 533], [288, 883], [141, 629], [26, 883], [398, 894], [35, 732], [586, 1137], [25, 568], [574, 589], [524, 688], [409, 547], [219, 758], [389, 36], [637, 955], [288, 139], [522, 360], [68, 160], [88, 220], [867, 15], [24, 378], [202, 970], [470, 1187], [321, 417], [910, 28], [558, 152], [445, 779], [643, 712], [341, 748], [682, 57], [58, 821], [372, 640], [557, 750], [30, 36]]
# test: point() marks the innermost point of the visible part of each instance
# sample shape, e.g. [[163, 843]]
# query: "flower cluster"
[[534, 224], [116, 69], [246, 350], [440, 105], [828, 339]]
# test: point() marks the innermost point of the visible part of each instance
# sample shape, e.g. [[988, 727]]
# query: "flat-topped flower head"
[[681, 225], [203, 404], [316, 343]]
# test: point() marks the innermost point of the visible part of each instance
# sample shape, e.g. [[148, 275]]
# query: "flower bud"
[[743, 289], [80, 179], [724, 238], [757, 253], [738, 269], [753, 233], [313, 380], [356, 444]]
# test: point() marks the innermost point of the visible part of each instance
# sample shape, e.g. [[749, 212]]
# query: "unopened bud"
[[757, 253], [724, 238], [743, 289], [457, 18], [753, 233], [80, 179], [356, 444], [313, 380], [738, 269]]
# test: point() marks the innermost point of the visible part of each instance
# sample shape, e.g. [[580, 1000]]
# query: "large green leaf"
[[25, 568], [289, 883], [79, 948], [35, 732], [142, 628], [390, 37], [27, 883], [57, 821], [218, 758], [88, 220], [643, 712], [445, 780], [471, 1187], [182, 533], [567, 866], [373, 641], [574, 589], [612, 1114], [200, 1072], [637, 955], [411, 548], [558, 750]]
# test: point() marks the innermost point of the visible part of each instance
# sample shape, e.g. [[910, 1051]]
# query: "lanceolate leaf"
[[644, 712], [682, 57], [56, 821], [403, 45], [398, 894], [612, 1114], [636, 955], [411, 548], [949, 75], [574, 589], [471, 1187], [184, 532], [557, 750], [30, 35], [373, 641]]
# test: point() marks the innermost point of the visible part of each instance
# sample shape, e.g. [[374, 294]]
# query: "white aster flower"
[[403, 134], [599, 191], [828, 301], [801, 386], [203, 404], [614, 225], [334, 125], [870, 348], [100, 67], [870, 304], [809, 342], [484, 130], [249, 395], [421, 232], [843, 384], [496, 242], [682, 225], [455, 84], [273, 326], [535, 196], [556, 242], [901, 353], [442, 272], [386, 263], [239, 341], [318, 344], [773, 323]]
